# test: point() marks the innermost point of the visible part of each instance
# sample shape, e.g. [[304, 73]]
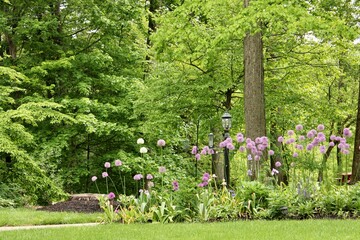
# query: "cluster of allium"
[[227, 143], [315, 138], [256, 147], [205, 180]]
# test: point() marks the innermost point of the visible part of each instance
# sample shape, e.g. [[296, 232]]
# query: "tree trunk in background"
[[356, 159], [254, 99]]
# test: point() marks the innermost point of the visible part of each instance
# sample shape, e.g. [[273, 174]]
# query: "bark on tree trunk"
[[356, 159], [255, 125]]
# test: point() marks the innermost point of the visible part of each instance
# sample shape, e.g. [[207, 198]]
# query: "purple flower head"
[[118, 162], [299, 127], [278, 164], [111, 195], [206, 177], [347, 133], [290, 132], [203, 152], [337, 138], [94, 178], [295, 154], [175, 185], [211, 151], [248, 140], [239, 135], [257, 157], [162, 169], [161, 142], [249, 157], [149, 176], [320, 127], [249, 172], [137, 177], [222, 144], [301, 138], [345, 151], [274, 172], [258, 140], [107, 165], [104, 174], [197, 156], [228, 140], [332, 137], [280, 139], [322, 149], [201, 185], [299, 147], [230, 146], [310, 134], [271, 152], [309, 147], [331, 144], [205, 184], [194, 150], [242, 149], [206, 148]]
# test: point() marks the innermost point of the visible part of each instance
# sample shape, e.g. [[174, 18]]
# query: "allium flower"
[[301, 138], [280, 139], [249, 157], [274, 172], [249, 172], [194, 150], [299, 147], [322, 149], [118, 162], [295, 155], [162, 169], [201, 185], [175, 185], [203, 152], [161, 143], [271, 152], [149, 176], [206, 177], [94, 178], [111, 195], [320, 127], [309, 147], [278, 164], [211, 151], [291, 132], [104, 174], [197, 156], [143, 150], [222, 144], [332, 137], [310, 134], [242, 149], [137, 177], [107, 165], [257, 157], [299, 127], [347, 133], [331, 144], [230, 146], [140, 141]]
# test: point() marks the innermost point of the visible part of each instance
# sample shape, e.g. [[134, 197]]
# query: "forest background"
[[81, 81]]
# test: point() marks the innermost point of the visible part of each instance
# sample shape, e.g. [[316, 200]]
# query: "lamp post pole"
[[226, 123]]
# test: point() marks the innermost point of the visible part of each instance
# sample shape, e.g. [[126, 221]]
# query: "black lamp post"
[[226, 123], [211, 146]]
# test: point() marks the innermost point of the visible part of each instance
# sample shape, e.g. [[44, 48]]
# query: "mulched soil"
[[84, 203]]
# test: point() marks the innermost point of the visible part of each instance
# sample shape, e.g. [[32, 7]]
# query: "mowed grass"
[[27, 216], [293, 230]]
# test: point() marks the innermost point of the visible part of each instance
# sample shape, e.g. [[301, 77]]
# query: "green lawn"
[[25, 216], [293, 230]]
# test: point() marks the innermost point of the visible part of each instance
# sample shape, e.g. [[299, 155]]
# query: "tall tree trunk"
[[254, 99], [356, 159]]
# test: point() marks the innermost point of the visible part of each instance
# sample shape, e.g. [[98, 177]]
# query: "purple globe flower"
[[161, 143], [162, 169], [230, 146], [242, 149], [138, 177], [111, 195], [291, 132], [107, 165], [331, 144], [104, 174], [271, 152], [347, 133], [203, 152], [149, 176], [194, 150], [175, 185], [320, 127], [278, 164], [322, 149], [295, 155], [249, 172], [197, 156], [301, 138], [118, 163], [280, 139], [299, 127]]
